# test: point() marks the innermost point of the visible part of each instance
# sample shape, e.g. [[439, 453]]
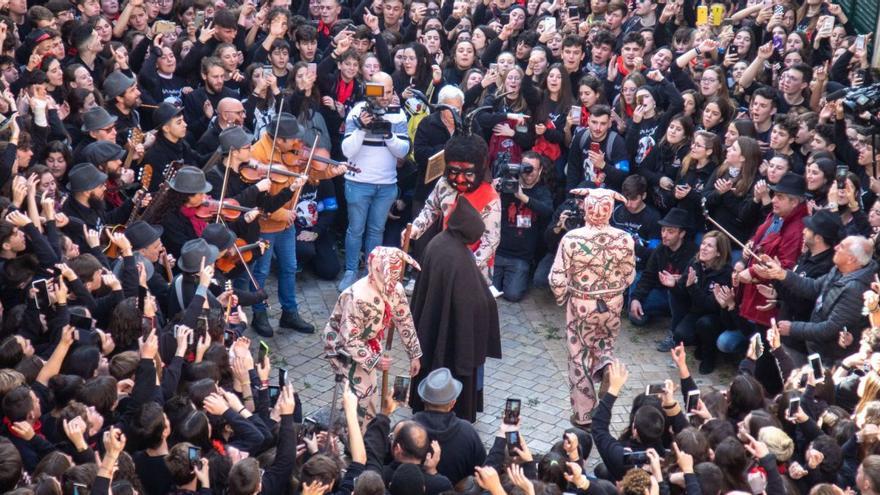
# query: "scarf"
[[37, 426], [324, 28], [344, 90], [197, 223], [479, 199], [111, 195]]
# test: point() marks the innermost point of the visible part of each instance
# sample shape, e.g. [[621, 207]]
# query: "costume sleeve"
[[351, 328], [432, 209], [491, 236], [559, 271], [406, 328]]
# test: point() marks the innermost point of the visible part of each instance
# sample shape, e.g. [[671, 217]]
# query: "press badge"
[[523, 221]]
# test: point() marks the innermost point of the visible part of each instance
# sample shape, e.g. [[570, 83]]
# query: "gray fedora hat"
[[439, 387], [141, 234], [97, 118], [85, 177], [234, 138], [288, 128], [219, 235], [192, 253], [149, 269], [102, 151], [190, 180], [116, 83]]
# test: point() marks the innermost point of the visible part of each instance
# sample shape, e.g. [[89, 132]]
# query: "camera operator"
[[375, 138], [523, 214]]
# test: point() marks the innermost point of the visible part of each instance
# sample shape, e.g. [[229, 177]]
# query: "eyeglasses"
[[455, 172], [698, 145]]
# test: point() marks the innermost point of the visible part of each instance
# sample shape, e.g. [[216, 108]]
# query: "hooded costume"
[[594, 265], [454, 311], [355, 333]]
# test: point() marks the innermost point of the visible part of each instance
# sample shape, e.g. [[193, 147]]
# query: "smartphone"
[[81, 322], [142, 295], [654, 389], [189, 340], [401, 388], [640, 100], [511, 411], [79, 488], [42, 295], [860, 42], [702, 15], [312, 68], [793, 405], [263, 352], [274, 393], [512, 439], [717, 12], [267, 70], [282, 377], [692, 399], [778, 42], [493, 67], [595, 147], [200, 18], [504, 18], [195, 453], [576, 112], [635, 458], [828, 23], [573, 12], [549, 24], [758, 344], [840, 176], [228, 338], [816, 366], [778, 10], [733, 50], [160, 27]]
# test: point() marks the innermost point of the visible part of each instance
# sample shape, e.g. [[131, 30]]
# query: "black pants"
[[321, 255], [701, 330]]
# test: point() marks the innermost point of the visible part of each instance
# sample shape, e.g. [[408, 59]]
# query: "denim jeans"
[[542, 271], [283, 246], [368, 206], [511, 275], [656, 304], [733, 342]]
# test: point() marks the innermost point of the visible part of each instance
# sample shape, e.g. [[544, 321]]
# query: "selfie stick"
[[736, 241], [389, 339]]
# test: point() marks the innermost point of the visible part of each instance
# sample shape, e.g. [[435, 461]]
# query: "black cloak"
[[454, 312]]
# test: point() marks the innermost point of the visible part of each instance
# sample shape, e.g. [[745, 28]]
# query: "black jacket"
[[793, 307], [431, 137], [610, 449], [94, 218], [177, 230], [164, 152], [193, 109], [663, 258], [702, 300], [458, 438]]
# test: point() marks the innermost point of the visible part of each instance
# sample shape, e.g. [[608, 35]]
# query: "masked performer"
[[454, 311], [593, 268], [465, 176], [355, 332]]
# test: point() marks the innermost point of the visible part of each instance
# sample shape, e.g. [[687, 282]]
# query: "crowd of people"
[[160, 158]]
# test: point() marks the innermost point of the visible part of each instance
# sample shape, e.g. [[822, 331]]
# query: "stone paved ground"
[[533, 368]]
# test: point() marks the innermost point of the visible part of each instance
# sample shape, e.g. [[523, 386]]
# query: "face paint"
[[462, 176]]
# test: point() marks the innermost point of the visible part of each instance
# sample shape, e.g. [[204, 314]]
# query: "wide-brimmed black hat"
[[791, 184], [677, 217], [164, 113], [826, 224], [192, 253], [190, 180], [102, 152], [96, 118], [85, 177], [439, 387], [141, 234], [116, 83], [234, 138], [219, 236], [288, 128]]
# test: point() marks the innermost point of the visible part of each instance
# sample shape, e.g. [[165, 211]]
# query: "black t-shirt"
[[642, 227]]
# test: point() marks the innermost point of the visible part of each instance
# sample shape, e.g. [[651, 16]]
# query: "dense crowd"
[[159, 158]]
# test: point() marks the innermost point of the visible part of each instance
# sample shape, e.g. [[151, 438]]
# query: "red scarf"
[[111, 195], [324, 28], [37, 426], [479, 199], [344, 90], [219, 447], [197, 223]]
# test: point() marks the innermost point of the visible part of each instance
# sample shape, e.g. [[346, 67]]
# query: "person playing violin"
[[279, 228], [221, 237]]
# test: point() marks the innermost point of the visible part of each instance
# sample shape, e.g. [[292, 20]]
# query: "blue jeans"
[[511, 275], [656, 304], [283, 246], [368, 206], [733, 342]]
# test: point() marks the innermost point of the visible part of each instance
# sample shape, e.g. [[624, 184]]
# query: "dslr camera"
[[379, 126], [576, 218], [509, 174]]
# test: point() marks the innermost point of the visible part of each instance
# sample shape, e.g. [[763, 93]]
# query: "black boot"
[[292, 319], [261, 324]]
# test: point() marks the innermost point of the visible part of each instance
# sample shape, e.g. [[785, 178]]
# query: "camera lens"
[[527, 169]]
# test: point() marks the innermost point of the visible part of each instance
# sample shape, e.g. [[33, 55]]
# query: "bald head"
[[230, 112], [386, 82], [410, 442]]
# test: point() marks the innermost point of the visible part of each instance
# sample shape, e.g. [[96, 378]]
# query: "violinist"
[[170, 143], [221, 237], [196, 282], [279, 228]]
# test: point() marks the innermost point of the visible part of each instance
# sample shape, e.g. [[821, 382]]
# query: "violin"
[[255, 172], [245, 254], [321, 156], [231, 209]]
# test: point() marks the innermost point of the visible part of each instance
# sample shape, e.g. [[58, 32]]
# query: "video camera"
[[379, 126], [509, 174], [858, 100]]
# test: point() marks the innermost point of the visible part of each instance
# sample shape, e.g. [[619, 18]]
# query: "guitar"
[[146, 176], [135, 137]]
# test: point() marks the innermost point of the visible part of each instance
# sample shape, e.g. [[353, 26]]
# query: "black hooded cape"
[[454, 312]]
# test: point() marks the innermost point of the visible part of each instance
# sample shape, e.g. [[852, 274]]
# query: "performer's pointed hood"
[[465, 222], [385, 267], [598, 204]]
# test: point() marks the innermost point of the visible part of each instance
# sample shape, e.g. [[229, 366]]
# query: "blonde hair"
[[778, 442]]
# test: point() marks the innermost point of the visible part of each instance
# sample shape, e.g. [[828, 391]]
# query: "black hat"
[[116, 83], [85, 177], [288, 128], [190, 180], [192, 253], [219, 236], [234, 138], [791, 184], [164, 113], [141, 234], [677, 217], [102, 152], [97, 118], [826, 224]]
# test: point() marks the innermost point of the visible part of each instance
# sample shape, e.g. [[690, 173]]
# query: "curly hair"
[[636, 481]]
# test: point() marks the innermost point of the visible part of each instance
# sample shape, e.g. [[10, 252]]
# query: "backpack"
[[609, 145]]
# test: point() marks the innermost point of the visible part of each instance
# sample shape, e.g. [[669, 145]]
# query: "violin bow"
[[225, 182], [247, 269], [305, 172], [275, 138]]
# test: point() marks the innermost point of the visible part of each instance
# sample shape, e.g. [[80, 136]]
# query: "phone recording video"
[[793, 405], [263, 352], [42, 293], [693, 400], [512, 440], [816, 368], [401, 388], [635, 458], [511, 411], [654, 389]]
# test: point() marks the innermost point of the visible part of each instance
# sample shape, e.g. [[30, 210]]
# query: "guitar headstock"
[[146, 176]]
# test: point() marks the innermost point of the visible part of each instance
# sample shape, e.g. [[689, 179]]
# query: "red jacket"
[[785, 245]]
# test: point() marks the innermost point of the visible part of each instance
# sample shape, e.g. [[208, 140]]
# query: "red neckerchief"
[[111, 195], [585, 116], [375, 343], [197, 223], [324, 28], [219, 447], [344, 90], [37, 426]]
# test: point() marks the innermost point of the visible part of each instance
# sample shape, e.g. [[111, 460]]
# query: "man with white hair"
[[838, 297]]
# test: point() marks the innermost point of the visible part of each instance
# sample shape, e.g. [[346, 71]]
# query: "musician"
[[279, 228], [99, 125], [86, 205], [107, 157], [230, 113], [122, 97], [196, 255], [223, 238], [170, 143], [146, 240]]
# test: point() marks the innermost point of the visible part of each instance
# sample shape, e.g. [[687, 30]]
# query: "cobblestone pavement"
[[533, 368]]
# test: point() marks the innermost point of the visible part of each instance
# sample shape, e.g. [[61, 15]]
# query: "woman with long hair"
[[625, 102], [416, 72], [663, 162], [464, 58], [262, 102], [176, 210], [507, 128], [79, 100], [305, 101], [713, 82], [728, 192], [551, 117], [716, 114], [697, 168], [58, 157], [737, 128]]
